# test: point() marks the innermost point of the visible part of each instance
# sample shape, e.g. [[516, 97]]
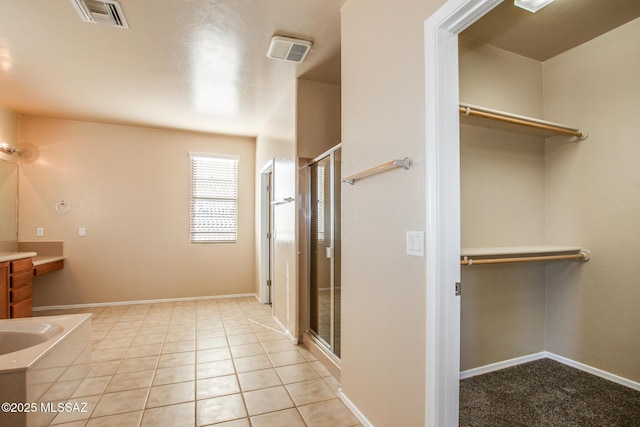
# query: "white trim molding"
[[443, 206], [286, 331], [354, 409], [547, 355], [148, 301]]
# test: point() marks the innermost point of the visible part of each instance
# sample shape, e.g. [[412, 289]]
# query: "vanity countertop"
[[12, 256], [45, 259]]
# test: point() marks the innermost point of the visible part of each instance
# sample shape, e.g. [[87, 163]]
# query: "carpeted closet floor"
[[546, 393]]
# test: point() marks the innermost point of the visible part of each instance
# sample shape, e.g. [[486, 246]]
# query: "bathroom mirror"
[[8, 201]]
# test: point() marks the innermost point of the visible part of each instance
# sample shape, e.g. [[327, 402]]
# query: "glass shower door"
[[324, 296]]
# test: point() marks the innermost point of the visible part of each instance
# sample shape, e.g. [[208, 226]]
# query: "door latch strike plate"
[[458, 289]]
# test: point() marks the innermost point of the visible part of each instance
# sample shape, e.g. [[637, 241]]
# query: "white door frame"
[[443, 206], [266, 211]]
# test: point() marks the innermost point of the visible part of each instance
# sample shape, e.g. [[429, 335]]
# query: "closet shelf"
[[495, 119], [503, 255]]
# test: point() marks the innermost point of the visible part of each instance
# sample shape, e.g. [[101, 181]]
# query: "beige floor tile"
[[320, 368], [128, 419], [267, 400], [109, 354], [252, 363], [60, 390], [242, 339], [137, 364], [217, 386], [170, 394], [333, 383], [143, 350], [130, 381], [238, 330], [311, 391], [180, 415], [219, 409], [213, 355], [175, 374], [269, 336], [255, 380], [101, 369], [178, 346], [92, 386], [120, 402], [81, 409], [146, 339], [113, 342], [244, 422], [77, 372], [286, 418], [289, 357], [329, 413], [295, 373], [180, 336], [210, 333], [208, 343], [245, 350], [279, 345], [214, 369], [177, 359]]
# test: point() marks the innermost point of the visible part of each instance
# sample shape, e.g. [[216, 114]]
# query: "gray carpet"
[[546, 393]]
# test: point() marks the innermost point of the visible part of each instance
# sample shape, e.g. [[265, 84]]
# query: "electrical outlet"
[[82, 232], [40, 231]]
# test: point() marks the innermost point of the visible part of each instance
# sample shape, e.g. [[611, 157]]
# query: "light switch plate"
[[415, 243], [82, 232], [40, 231]]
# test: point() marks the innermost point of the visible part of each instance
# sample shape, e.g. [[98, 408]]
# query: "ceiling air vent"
[[107, 12], [288, 49]]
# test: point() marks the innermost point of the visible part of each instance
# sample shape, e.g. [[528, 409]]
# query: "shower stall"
[[324, 249]]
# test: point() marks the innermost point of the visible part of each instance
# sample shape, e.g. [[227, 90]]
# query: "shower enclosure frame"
[[328, 347]]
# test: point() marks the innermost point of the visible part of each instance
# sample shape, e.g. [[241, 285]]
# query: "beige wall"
[[305, 124], [129, 187], [277, 142], [502, 180], [383, 289], [569, 194], [593, 199]]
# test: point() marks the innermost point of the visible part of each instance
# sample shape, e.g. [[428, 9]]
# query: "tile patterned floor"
[[198, 363]]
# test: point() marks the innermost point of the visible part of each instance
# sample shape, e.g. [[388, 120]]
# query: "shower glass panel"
[[325, 251]]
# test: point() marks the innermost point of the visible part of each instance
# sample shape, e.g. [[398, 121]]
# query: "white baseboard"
[[285, 331], [547, 355], [595, 371], [353, 408], [149, 301], [502, 365]]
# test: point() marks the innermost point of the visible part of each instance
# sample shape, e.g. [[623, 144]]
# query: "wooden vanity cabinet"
[[20, 279], [4, 290]]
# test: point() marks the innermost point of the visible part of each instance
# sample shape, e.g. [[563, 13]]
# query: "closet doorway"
[[325, 249]]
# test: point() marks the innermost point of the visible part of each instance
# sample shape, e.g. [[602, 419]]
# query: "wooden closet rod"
[[519, 120], [583, 256]]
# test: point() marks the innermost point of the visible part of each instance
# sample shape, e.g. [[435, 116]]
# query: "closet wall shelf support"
[[515, 119], [583, 255], [401, 163]]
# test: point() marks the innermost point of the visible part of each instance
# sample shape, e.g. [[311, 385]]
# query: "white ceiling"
[[187, 64]]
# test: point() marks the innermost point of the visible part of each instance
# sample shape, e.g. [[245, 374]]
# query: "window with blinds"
[[214, 198]]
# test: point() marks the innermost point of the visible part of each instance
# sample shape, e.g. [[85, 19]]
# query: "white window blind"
[[214, 198]]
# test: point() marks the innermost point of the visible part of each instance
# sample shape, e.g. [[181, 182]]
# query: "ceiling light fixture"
[[531, 5]]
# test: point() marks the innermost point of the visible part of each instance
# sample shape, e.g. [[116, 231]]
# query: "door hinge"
[[458, 289], [269, 283], [268, 189], [268, 235]]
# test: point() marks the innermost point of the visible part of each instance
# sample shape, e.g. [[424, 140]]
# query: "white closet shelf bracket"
[[401, 163], [468, 110], [283, 201]]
